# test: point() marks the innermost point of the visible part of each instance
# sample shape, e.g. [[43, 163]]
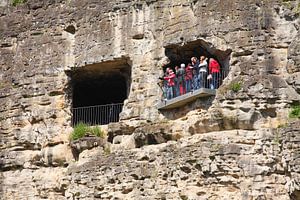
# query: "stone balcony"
[[185, 99]]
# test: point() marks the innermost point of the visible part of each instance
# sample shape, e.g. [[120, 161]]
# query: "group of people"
[[200, 73]]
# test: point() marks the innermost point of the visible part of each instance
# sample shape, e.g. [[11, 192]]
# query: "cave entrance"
[[178, 54], [99, 91], [204, 86]]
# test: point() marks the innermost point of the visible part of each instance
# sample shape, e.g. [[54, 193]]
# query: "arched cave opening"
[[201, 85], [99, 90], [178, 53]]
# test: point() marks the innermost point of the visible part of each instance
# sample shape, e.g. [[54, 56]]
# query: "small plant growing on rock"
[[18, 2], [107, 151], [284, 125], [297, 9], [4, 85], [295, 112], [236, 86], [81, 130]]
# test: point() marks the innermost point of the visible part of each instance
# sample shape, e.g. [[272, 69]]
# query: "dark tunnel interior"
[[99, 90]]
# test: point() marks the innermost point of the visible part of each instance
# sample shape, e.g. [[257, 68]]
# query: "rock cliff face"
[[240, 154]]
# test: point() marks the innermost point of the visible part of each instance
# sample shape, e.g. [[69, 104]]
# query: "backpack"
[[180, 75]]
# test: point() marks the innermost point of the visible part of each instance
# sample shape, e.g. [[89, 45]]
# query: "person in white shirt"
[[202, 72]]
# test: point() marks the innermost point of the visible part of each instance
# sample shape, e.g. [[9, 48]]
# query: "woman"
[[202, 72], [188, 77]]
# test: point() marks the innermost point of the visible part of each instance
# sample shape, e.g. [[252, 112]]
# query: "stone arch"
[[178, 53]]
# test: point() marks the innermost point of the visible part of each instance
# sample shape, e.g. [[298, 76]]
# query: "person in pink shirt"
[[170, 78], [188, 77]]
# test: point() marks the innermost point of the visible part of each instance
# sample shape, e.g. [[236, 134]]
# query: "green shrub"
[[97, 131], [81, 129], [236, 86], [295, 112], [18, 2]]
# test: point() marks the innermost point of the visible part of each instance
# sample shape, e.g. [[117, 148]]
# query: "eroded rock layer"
[[44, 47], [218, 165]]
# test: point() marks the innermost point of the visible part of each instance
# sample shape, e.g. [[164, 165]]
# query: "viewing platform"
[[185, 99]]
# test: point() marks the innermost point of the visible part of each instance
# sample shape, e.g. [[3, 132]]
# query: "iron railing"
[[204, 80], [97, 115]]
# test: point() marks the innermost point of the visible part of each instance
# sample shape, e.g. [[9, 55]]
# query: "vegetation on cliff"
[[236, 86], [295, 112], [18, 2], [81, 130]]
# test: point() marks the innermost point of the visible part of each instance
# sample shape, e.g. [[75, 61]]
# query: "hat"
[[182, 65]]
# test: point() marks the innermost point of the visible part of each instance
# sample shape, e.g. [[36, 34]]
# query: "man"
[[214, 70], [180, 76], [163, 84], [177, 90], [195, 65]]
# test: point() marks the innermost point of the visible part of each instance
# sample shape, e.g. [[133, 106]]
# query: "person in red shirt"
[[188, 77], [170, 78], [214, 71]]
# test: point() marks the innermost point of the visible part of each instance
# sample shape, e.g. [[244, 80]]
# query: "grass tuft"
[[236, 86], [295, 112], [18, 2], [81, 130]]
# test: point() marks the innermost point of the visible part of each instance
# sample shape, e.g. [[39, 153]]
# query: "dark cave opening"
[[99, 90], [182, 53]]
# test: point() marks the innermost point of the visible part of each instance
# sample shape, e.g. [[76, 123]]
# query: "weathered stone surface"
[[115, 129], [218, 165], [87, 142], [42, 41], [36, 184]]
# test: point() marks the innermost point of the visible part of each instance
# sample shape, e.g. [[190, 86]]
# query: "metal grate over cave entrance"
[[97, 115], [99, 91]]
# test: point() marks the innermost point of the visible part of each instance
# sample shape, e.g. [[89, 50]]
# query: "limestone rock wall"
[[218, 165], [37, 50]]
